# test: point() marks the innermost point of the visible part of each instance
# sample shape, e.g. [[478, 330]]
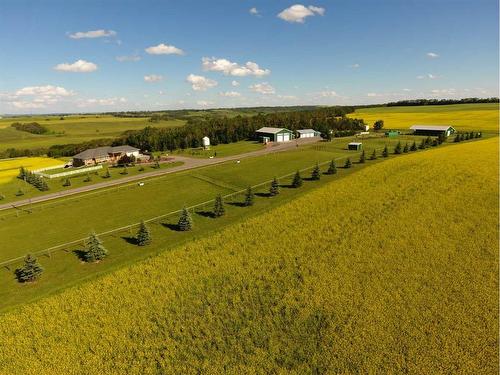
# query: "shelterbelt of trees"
[[234, 129]]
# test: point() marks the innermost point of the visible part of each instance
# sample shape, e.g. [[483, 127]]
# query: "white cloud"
[[204, 103], [432, 55], [93, 34], [230, 94], [230, 68], [354, 66], [48, 90], [164, 49], [153, 78], [79, 66], [298, 12], [263, 88], [200, 83], [33, 97], [407, 90], [327, 94], [438, 92], [372, 94], [253, 11], [287, 97], [428, 75], [128, 58], [102, 102], [235, 83]]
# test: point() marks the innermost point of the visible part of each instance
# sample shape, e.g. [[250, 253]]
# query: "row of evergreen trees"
[[459, 137], [33, 179]]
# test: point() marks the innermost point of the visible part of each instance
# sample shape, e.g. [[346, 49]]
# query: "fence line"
[[49, 250], [70, 172]]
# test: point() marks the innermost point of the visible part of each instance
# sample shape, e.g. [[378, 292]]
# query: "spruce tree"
[[428, 141], [30, 271], [462, 137], [332, 168], [143, 237], [316, 173], [406, 148], [457, 138], [297, 180], [422, 144], [185, 221], [362, 158], [348, 163], [397, 149], [275, 188], [94, 250], [413, 146], [471, 135], [219, 209], [249, 197], [385, 153], [374, 155]]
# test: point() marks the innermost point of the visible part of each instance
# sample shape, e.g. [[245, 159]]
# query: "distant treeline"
[[417, 102], [228, 130], [30, 127]]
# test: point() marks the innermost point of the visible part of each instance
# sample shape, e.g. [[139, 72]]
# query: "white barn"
[[308, 133]]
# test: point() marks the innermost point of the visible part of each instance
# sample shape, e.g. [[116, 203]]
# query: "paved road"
[[189, 163]]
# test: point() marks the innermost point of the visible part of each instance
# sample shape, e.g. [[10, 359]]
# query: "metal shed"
[[274, 134], [433, 130], [355, 146]]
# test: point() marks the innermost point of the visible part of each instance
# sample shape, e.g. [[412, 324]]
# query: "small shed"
[[206, 142], [356, 146], [433, 130], [392, 133], [308, 133], [267, 134]]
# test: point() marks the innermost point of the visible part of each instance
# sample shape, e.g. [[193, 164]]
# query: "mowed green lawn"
[[73, 218], [222, 149], [73, 129], [464, 117]]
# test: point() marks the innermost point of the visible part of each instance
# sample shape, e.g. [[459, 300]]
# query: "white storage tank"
[[206, 142]]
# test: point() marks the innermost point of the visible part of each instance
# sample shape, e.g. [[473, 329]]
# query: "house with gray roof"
[[106, 154]]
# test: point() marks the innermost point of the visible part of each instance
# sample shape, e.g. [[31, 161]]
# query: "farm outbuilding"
[[355, 146], [206, 142], [392, 133], [274, 134], [433, 130], [308, 133], [99, 155]]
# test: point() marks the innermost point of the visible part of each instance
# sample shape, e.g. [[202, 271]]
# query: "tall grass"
[[393, 269]]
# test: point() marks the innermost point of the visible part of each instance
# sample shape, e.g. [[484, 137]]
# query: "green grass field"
[[466, 117], [392, 268], [72, 218], [222, 150], [73, 129]]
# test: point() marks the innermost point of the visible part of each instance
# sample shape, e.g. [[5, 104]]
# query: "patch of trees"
[[33, 179], [15, 153], [418, 102], [30, 127], [459, 137], [73, 149], [328, 120]]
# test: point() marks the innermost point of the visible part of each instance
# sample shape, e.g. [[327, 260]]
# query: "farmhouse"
[[433, 130], [355, 146], [308, 133], [103, 155], [274, 134]]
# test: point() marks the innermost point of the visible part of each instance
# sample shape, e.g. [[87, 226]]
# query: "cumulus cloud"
[[164, 49], [230, 94], [47, 90], [101, 102], [79, 66], [298, 12], [93, 34], [200, 83], [432, 55], [153, 78], [235, 83], [230, 68], [204, 103], [128, 58], [263, 88], [253, 11], [354, 66], [33, 97]]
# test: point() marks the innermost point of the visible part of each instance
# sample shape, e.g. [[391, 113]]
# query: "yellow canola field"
[[392, 269], [9, 168]]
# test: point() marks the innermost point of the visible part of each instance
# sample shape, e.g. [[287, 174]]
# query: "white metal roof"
[[355, 143], [431, 127], [270, 130], [307, 131]]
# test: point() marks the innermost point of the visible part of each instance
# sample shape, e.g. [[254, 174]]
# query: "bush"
[[30, 271], [67, 182], [297, 180]]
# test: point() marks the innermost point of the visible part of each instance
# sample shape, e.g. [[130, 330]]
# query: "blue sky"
[[84, 56]]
